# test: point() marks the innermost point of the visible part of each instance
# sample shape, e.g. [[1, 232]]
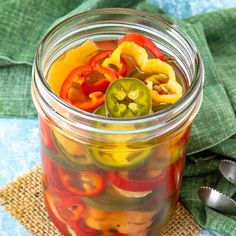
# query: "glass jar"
[[85, 193]]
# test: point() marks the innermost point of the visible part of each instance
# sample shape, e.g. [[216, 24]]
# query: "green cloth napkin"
[[213, 136]]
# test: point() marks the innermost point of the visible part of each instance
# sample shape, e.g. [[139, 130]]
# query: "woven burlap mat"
[[23, 199]]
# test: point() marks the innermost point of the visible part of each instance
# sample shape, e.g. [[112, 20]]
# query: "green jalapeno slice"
[[118, 157], [128, 97], [101, 111]]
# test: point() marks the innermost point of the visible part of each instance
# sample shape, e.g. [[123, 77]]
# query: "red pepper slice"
[[100, 85], [70, 209], [136, 185], [101, 56], [56, 219], [82, 183], [167, 181], [46, 134], [145, 42], [94, 100], [49, 172], [87, 102], [123, 70], [180, 166], [66, 206]]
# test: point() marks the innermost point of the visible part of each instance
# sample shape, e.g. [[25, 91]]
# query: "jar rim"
[[187, 99]]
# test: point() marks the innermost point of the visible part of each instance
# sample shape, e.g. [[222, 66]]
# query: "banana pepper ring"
[[131, 49], [140, 56], [155, 66], [169, 93]]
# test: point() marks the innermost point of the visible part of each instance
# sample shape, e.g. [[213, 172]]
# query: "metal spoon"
[[228, 170], [217, 201]]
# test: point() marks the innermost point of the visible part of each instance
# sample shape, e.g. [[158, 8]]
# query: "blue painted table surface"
[[19, 138]]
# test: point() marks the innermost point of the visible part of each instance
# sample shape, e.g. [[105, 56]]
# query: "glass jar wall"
[[106, 176]]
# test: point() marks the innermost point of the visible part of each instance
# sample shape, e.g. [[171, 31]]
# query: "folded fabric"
[[24, 22]]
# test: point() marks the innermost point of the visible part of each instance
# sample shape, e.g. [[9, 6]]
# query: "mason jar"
[[110, 176]]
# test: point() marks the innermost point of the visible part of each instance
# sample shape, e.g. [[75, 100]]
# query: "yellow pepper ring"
[[134, 217], [119, 224], [158, 66], [174, 93], [140, 56], [131, 49]]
